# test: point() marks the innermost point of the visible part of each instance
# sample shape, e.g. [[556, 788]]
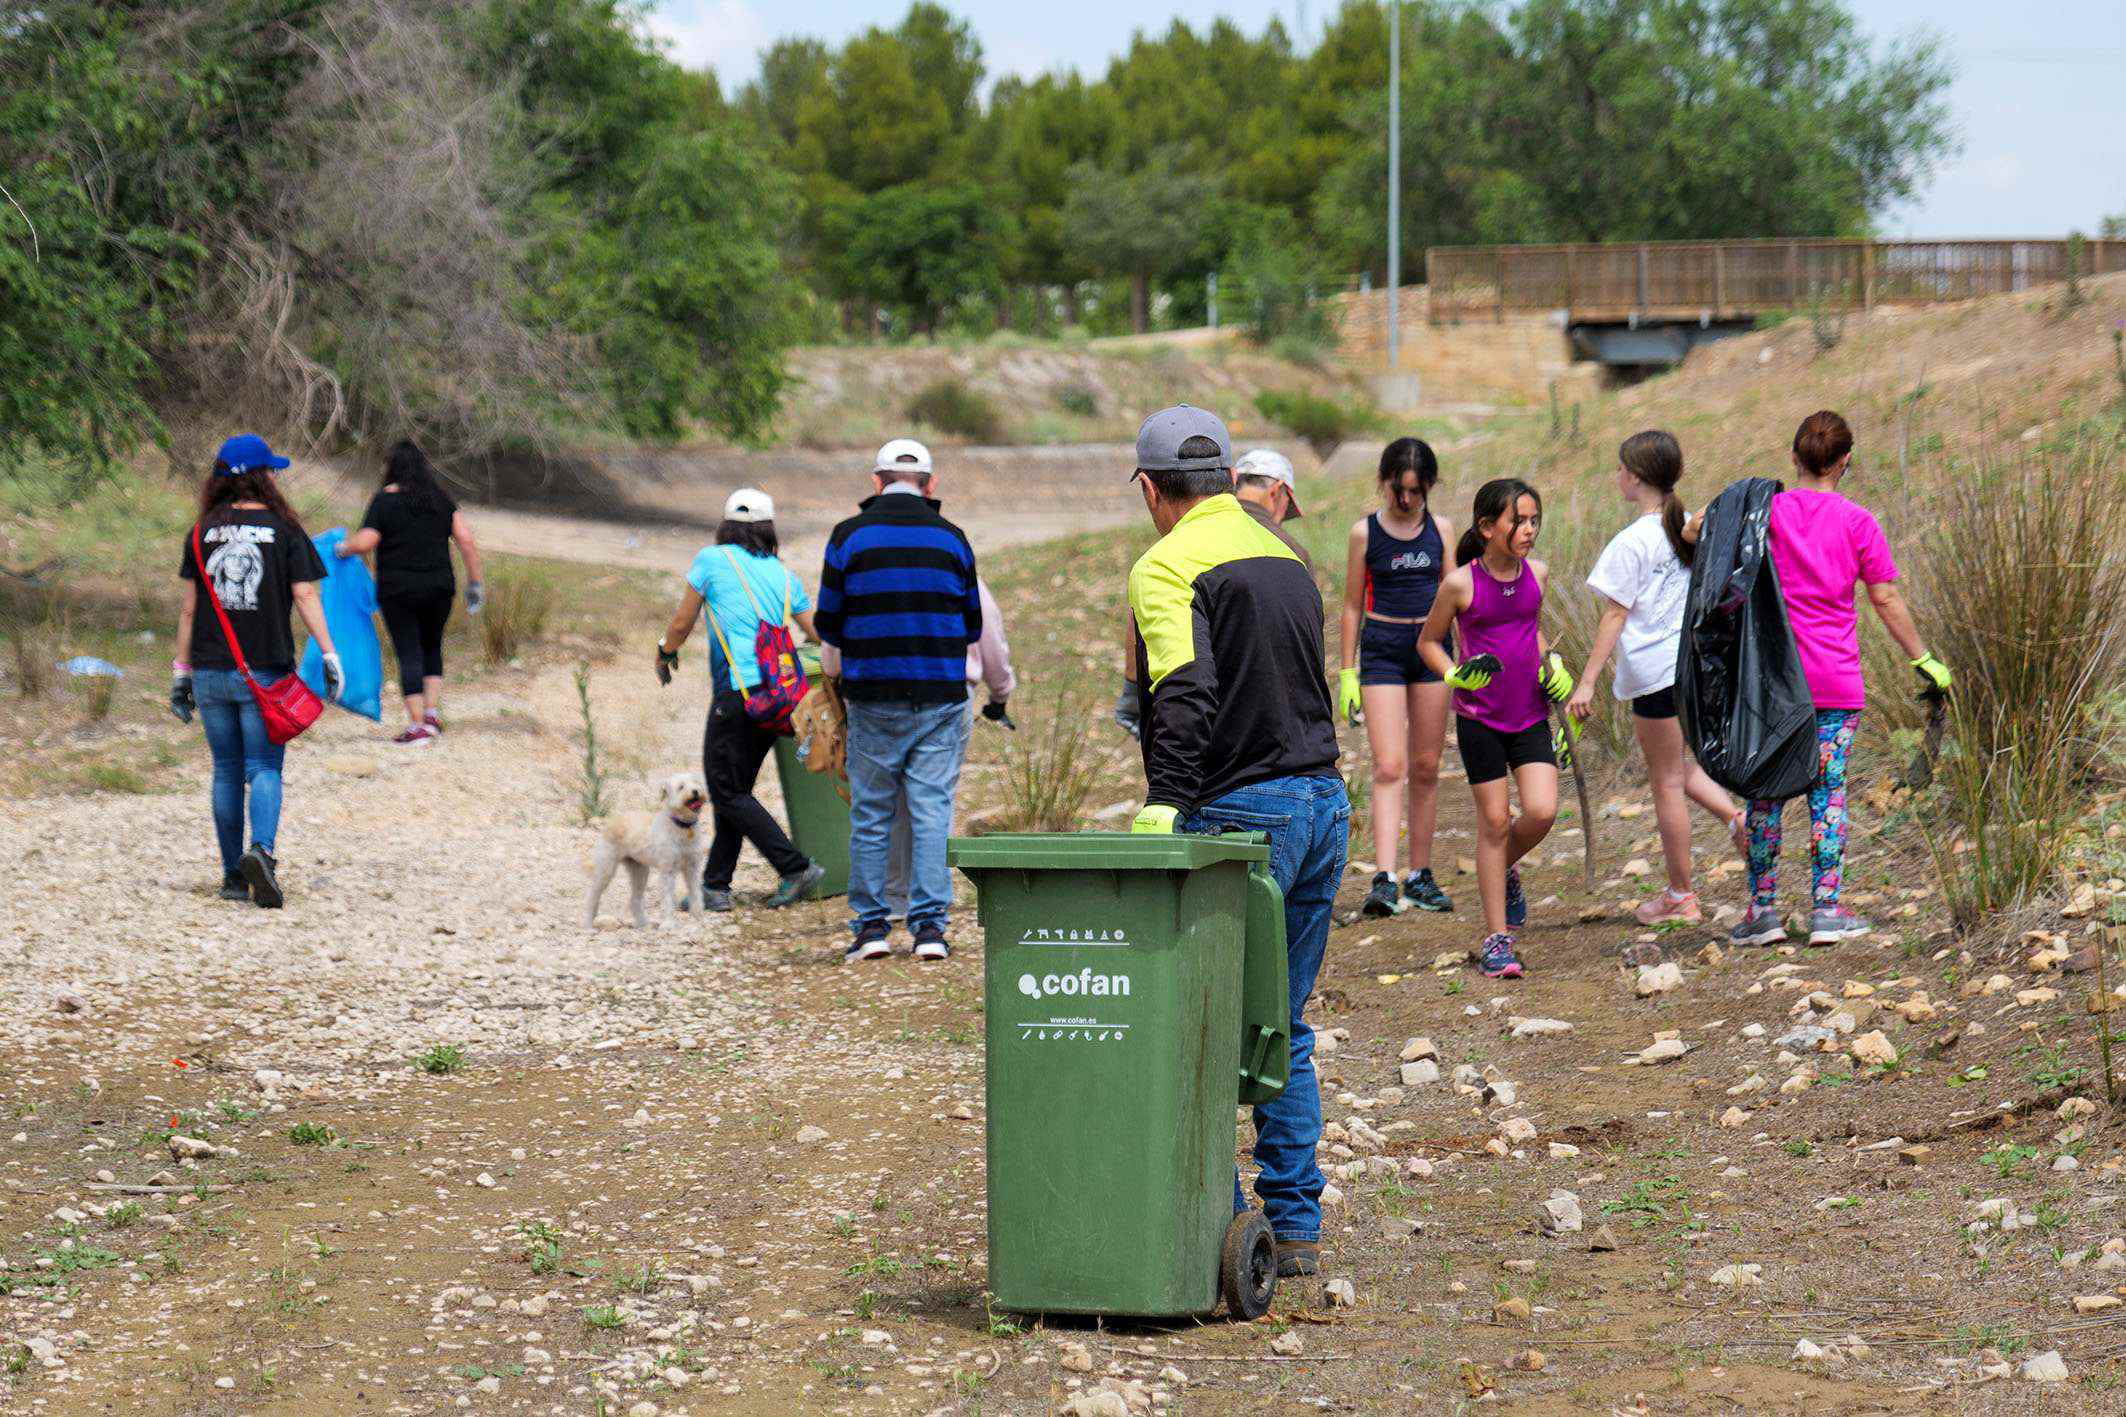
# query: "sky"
[[2041, 108]]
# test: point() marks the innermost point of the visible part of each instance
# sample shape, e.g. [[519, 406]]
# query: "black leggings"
[[415, 623], [732, 750]]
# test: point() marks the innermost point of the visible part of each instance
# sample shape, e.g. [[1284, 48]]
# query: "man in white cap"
[[900, 602], [734, 584]]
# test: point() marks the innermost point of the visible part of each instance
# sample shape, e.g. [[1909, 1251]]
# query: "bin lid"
[[1102, 851]]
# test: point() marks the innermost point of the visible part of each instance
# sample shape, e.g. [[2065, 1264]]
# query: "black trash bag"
[[1744, 704]]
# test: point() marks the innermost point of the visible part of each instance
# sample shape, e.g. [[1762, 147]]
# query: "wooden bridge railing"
[[1724, 280]]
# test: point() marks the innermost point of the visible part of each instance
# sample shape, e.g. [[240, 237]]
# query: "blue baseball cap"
[[247, 452]]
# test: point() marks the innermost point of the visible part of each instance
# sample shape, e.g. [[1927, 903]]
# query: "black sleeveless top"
[[1402, 577]]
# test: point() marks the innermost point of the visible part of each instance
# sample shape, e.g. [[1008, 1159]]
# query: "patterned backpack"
[[782, 675]]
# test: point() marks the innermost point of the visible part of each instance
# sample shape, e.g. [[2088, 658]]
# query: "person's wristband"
[[180, 668]]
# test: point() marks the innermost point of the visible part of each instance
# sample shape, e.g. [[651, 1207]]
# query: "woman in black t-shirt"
[[260, 565], [410, 524]]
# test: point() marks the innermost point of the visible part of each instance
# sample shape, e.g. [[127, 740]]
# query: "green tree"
[[921, 249], [1143, 223]]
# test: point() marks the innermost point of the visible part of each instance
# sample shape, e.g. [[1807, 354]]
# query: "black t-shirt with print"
[[254, 560], [413, 550]]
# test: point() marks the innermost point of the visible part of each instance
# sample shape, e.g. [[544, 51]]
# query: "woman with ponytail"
[[1643, 576]]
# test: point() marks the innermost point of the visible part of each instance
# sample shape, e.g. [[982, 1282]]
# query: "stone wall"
[[1514, 361]]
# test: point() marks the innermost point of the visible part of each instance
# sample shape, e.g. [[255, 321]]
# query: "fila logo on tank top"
[[1402, 575]]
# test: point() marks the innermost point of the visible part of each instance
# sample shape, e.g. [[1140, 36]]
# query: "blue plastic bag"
[[348, 594]]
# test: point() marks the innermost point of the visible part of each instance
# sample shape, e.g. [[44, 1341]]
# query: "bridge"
[[1649, 302]]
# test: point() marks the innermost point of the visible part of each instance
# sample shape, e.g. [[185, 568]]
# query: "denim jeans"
[[243, 757], [1309, 824], [900, 853], [898, 752]]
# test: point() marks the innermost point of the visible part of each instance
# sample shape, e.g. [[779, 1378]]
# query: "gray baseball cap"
[[1159, 440]]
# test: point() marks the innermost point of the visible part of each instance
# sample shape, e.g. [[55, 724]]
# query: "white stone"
[[1560, 1215], [1420, 1073], [2047, 1367], [1658, 979]]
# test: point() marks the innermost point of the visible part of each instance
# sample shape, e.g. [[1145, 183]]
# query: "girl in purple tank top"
[[1493, 602]]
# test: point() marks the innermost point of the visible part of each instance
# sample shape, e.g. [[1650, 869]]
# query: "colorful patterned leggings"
[[1834, 739]]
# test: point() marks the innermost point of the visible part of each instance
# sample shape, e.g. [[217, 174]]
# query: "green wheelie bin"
[[1135, 990], [817, 805]]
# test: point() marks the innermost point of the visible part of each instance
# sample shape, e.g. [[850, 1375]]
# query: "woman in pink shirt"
[[1822, 545]]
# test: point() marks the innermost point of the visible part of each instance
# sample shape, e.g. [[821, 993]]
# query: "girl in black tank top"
[[1395, 560]]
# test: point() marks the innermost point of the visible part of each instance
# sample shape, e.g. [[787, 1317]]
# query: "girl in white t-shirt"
[[1644, 576]]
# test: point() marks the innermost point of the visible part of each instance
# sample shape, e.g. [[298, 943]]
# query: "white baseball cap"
[[1268, 462], [903, 457], [749, 504]]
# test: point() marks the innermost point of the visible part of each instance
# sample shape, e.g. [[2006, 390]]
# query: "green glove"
[[1156, 819], [1473, 674], [1934, 672], [1554, 679], [1347, 698], [1562, 739]]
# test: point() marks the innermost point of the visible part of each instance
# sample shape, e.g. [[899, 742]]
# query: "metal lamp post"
[[1395, 178]]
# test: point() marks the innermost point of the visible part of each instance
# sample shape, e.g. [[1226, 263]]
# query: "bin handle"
[[1262, 1045]]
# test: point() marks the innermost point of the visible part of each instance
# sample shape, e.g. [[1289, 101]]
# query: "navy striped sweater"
[[897, 597]]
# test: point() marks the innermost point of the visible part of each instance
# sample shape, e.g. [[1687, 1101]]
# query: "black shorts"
[[1387, 654], [1661, 703], [1488, 755]]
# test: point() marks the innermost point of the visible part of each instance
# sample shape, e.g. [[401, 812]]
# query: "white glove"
[[335, 678]]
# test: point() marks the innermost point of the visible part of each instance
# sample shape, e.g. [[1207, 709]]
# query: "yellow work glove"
[[1347, 698], [1473, 674], [1156, 819], [1554, 679], [1935, 674]]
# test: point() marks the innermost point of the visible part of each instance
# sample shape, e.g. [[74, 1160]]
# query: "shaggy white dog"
[[669, 841]]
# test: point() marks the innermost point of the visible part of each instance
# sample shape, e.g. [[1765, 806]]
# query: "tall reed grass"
[[1051, 768], [520, 602]]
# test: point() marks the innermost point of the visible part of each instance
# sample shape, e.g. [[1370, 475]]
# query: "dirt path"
[[710, 1169]]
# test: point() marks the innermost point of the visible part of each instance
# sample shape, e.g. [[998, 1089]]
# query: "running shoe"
[[235, 887], [1384, 899], [1668, 908], [433, 723], [930, 941], [1495, 958], [1762, 926], [1423, 892], [713, 901], [1516, 903], [1828, 927], [795, 888], [260, 873], [417, 735], [870, 942]]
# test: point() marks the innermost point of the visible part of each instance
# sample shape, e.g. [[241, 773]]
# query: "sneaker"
[[1668, 908], [1297, 1258], [713, 901], [1384, 899], [1762, 926], [258, 870], [870, 942], [1828, 927], [795, 888], [1495, 958], [1423, 892], [235, 887], [418, 735], [1516, 903], [930, 941], [432, 723]]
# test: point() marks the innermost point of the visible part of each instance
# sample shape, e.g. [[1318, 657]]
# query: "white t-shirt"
[[1639, 571]]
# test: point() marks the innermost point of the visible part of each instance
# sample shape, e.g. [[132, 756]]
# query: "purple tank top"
[[1501, 620]]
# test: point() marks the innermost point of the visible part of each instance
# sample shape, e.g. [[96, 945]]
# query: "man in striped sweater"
[[898, 598]]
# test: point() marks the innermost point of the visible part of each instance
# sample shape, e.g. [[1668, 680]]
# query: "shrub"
[[1308, 351], [952, 408], [443, 1059], [1323, 423], [520, 600], [1080, 399], [2025, 584], [1050, 770]]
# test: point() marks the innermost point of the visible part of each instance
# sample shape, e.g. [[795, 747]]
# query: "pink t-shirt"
[[1822, 543]]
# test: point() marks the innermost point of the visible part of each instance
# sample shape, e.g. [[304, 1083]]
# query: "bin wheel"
[[1247, 1266]]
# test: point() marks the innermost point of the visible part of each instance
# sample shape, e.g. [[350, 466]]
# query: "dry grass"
[[1051, 768], [520, 602]]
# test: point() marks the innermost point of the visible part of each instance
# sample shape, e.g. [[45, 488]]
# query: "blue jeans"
[[911, 753], [1309, 823], [243, 757], [901, 852]]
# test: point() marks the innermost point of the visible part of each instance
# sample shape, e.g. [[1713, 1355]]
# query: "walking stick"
[[1567, 735]]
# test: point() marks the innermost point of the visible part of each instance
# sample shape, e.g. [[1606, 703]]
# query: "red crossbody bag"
[[288, 707]]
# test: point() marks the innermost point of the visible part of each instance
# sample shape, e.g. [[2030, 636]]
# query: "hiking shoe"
[[258, 870], [930, 941], [1423, 892], [795, 888], [1296, 1258], [870, 942], [1516, 903], [1384, 899], [1668, 908], [1828, 927], [418, 735], [235, 887], [713, 902], [1762, 926], [1495, 958]]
